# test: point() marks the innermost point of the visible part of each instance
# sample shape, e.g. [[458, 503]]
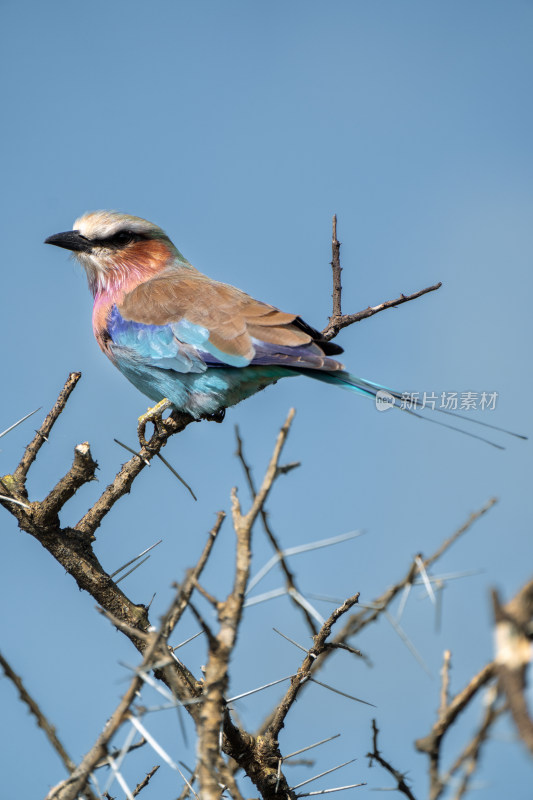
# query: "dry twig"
[[42, 720], [338, 320], [290, 581], [212, 769], [375, 755], [146, 780], [513, 652]]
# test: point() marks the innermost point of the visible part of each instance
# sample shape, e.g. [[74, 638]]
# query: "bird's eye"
[[123, 237], [117, 240]]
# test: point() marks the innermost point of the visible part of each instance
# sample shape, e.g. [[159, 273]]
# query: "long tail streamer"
[[346, 380]]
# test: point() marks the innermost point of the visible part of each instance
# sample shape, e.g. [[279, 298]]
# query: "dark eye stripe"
[[119, 239]]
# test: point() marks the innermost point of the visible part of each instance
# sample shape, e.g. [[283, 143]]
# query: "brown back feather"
[[231, 316]]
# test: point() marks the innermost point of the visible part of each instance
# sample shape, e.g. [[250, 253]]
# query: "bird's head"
[[117, 250]]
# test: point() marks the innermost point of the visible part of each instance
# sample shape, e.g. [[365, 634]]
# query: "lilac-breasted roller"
[[183, 339]]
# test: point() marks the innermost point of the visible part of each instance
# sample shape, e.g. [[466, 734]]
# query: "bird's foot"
[[153, 415], [218, 416]]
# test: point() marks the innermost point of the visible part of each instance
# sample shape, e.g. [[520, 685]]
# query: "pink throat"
[[109, 287]]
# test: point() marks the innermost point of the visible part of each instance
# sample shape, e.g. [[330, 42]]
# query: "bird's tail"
[[385, 397]]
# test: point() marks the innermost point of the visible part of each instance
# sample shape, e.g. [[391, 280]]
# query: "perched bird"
[[185, 340], [177, 334]]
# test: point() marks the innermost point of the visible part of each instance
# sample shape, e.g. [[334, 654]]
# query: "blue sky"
[[240, 128]]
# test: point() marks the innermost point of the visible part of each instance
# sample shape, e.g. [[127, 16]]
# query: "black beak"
[[70, 240]]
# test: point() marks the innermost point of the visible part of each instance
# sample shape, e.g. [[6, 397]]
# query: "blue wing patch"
[[198, 336], [155, 345]]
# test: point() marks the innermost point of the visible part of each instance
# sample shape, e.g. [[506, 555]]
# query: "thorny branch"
[[511, 655], [320, 646], [41, 436], [358, 621], [156, 649], [145, 781], [431, 744], [338, 320], [72, 547], [373, 611], [212, 769], [289, 575]]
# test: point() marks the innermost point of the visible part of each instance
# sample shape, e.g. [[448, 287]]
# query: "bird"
[[187, 341]]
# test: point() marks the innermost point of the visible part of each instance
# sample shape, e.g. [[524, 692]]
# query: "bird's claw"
[[153, 415]]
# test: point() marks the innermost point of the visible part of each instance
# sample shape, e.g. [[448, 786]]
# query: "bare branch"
[[513, 655], [460, 531], [336, 270], [357, 622], [189, 584], [304, 672], [454, 708], [70, 788], [213, 715], [140, 786], [337, 324], [289, 575], [338, 320], [375, 755], [360, 620], [82, 470], [42, 720], [514, 616], [42, 434], [122, 483], [469, 758], [445, 685]]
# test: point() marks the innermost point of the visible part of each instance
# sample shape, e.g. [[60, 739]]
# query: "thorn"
[[16, 502], [310, 747], [438, 605], [160, 751], [285, 468], [403, 600], [118, 759], [132, 561], [427, 583], [300, 599], [336, 789], [344, 694], [288, 638], [171, 468], [19, 422], [259, 689], [261, 598], [321, 774], [119, 778], [177, 647], [408, 643], [131, 450], [302, 548], [151, 601], [132, 570], [278, 776]]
